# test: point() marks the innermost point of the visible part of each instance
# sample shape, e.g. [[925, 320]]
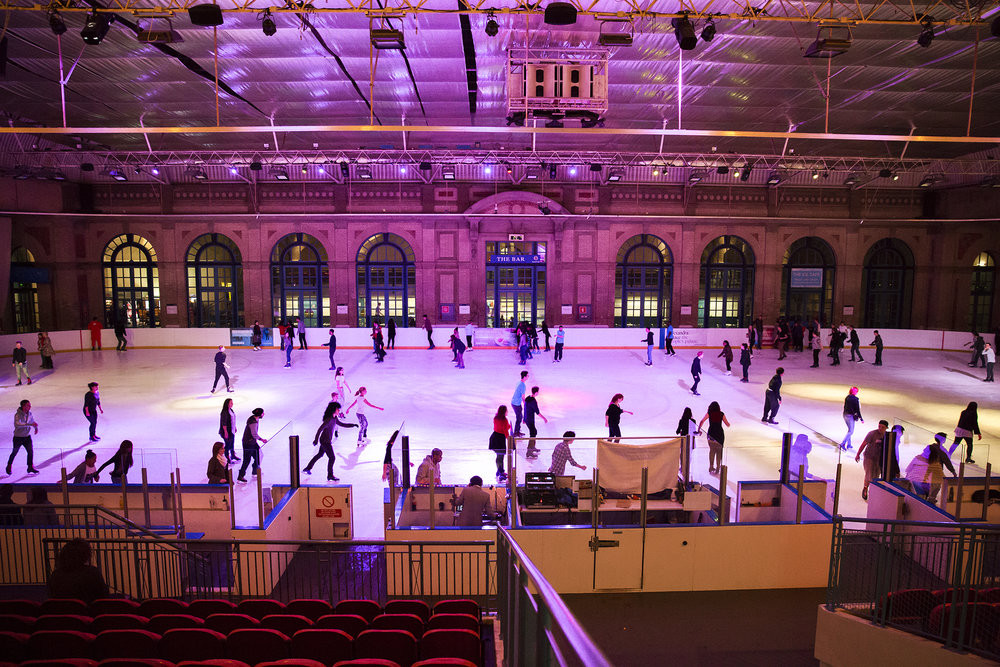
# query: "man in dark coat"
[[772, 397]]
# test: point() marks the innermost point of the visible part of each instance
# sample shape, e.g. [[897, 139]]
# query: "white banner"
[[621, 465]]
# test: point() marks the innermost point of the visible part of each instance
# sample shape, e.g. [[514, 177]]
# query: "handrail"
[[313, 543], [940, 524], [585, 647], [96, 509]]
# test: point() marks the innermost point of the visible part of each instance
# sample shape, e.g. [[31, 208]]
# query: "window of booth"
[[215, 282], [888, 284], [809, 268], [981, 297], [300, 281], [643, 282], [23, 291], [515, 283], [726, 285], [387, 281], [131, 282]]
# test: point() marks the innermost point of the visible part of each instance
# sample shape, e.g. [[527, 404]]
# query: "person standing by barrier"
[[783, 338], [772, 397], [878, 348], [221, 369], [978, 344], [560, 342], [218, 466], [751, 337], [459, 352], [727, 355], [227, 429], [746, 357], [498, 439], [91, 406], [758, 325], [45, 350], [430, 331], [968, 425], [23, 423], [648, 340], [613, 417], [871, 449], [95, 334], [470, 329], [561, 454], [120, 333], [121, 462], [686, 425], [331, 346], [86, 472], [302, 334], [429, 471], [256, 336], [716, 435], [852, 414], [696, 372], [517, 403], [251, 450], [991, 358], [19, 360], [546, 333], [391, 334], [530, 410], [324, 438], [668, 341]]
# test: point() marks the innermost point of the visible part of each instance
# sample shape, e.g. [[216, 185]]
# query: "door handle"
[[596, 544]]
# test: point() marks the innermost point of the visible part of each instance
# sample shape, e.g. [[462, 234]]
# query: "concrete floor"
[[160, 400]]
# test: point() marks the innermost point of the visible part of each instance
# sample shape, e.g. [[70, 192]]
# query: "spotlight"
[[197, 173], [815, 174], [345, 169], [990, 182], [745, 174], [510, 169], [387, 39], [684, 32], [926, 35], [722, 171], [885, 173], [234, 171], [402, 168], [595, 167], [117, 174], [58, 176], [492, 28], [532, 173], [656, 171], [267, 23], [695, 176], [616, 175], [928, 181], [154, 171], [736, 172], [708, 32], [448, 173], [544, 209], [205, 15], [489, 170], [425, 166], [852, 180], [280, 173], [305, 169], [895, 177], [552, 172], [572, 171], [774, 178], [831, 41], [322, 170], [256, 166], [365, 173], [56, 24], [96, 27]]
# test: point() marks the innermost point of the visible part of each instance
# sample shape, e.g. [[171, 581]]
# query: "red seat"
[[192, 644], [13, 646], [408, 622], [909, 606], [113, 606], [327, 646], [260, 608], [163, 622], [366, 662], [135, 662], [205, 608], [63, 606], [293, 662], [62, 662], [460, 606], [352, 624], [257, 645], [48, 644], [311, 609], [286, 624], [213, 663], [982, 623], [19, 607], [158, 606], [63, 622], [366, 609], [226, 623], [416, 607], [126, 644], [397, 645], [946, 595], [454, 622], [444, 662], [16, 623], [118, 622], [451, 644]]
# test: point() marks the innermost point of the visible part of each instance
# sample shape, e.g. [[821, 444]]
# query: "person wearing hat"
[[474, 502], [251, 450], [871, 449]]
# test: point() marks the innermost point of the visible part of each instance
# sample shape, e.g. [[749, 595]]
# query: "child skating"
[[362, 404]]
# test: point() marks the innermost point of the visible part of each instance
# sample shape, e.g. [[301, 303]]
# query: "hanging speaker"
[[560, 13], [205, 15]]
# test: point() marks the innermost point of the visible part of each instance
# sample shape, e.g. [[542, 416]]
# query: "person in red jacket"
[[95, 334]]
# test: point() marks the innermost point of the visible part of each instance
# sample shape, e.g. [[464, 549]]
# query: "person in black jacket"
[[727, 355], [696, 373], [122, 461], [227, 429], [91, 406], [218, 465], [332, 344], [545, 332], [251, 450], [120, 332], [648, 340], [221, 368], [257, 337], [968, 425], [745, 358], [86, 472], [852, 414], [10, 513], [772, 397], [19, 360], [74, 577], [324, 437], [302, 334], [978, 344], [391, 331], [878, 348], [856, 346]]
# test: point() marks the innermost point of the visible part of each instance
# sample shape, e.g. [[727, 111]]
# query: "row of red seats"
[[256, 608], [912, 606], [288, 662], [287, 624], [252, 646]]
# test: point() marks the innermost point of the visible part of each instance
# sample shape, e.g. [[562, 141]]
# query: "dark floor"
[[766, 628]]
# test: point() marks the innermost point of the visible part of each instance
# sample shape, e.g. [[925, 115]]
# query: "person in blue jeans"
[[517, 402], [649, 347], [560, 341], [288, 347], [669, 343]]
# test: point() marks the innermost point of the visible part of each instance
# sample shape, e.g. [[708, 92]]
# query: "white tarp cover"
[[621, 465]]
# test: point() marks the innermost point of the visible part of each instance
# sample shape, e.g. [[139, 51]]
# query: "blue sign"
[[807, 278], [516, 259], [241, 337]]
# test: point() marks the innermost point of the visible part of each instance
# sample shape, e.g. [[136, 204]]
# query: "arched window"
[[981, 298], [387, 281], [23, 291], [643, 282], [215, 282], [300, 281], [727, 266], [809, 268], [888, 284], [131, 282]]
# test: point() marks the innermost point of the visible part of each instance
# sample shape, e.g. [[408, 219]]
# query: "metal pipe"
[[65, 493], [986, 490], [642, 522], [124, 485], [723, 505], [232, 503], [593, 518], [145, 497], [404, 467], [798, 493], [958, 491], [260, 501], [786, 455], [173, 502], [180, 503], [430, 494], [293, 462], [836, 490], [688, 444]]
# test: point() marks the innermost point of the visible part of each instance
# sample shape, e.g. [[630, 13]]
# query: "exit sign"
[[515, 237]]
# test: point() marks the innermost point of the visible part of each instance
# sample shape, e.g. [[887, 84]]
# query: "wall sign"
[[516, 259], [515, 237], [341, 309], [806, 278]]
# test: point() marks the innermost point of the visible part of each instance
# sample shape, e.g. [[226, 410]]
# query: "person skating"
[[696, 372], [871, 449], [362, 404], [324, 437], [968, 425], [91, 406], [852, 414], [648, 340], [613, 417], [120, 333], [991, 358], [19, 360], [816, 344], [751, 336], [390, 329], [561, 455], [451, 345], [86, 471], [530, 410], [878, 348], [227, 429], [256, 336], [498, 439], [560, 341], [23, 423], [332, 348], [221, 369], [470, 329], [121, 462], [746, 358], [288, 342], [251, 450], [459, 352], [547, 334], [727, 355], [379, 345], [95, 334], [978, 344], [45, 350], [668, 343], [782, 340], [517, 403], [716, 435], [302, 334], [686, 425], [772, 397], [856, 346], [430, 332]]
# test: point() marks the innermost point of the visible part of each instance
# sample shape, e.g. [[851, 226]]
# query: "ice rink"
[[160, 400]]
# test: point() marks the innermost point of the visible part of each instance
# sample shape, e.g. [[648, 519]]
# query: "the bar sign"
[[515, 259], [515, 237]]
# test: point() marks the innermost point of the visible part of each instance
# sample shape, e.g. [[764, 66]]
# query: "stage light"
[[926, 35], [197, 173], [117, 174], [708, 32], [745, 174], [774, 178], [488, 170], [616, 175], [154, 171], [656, 171], [345, 169], [267, 23], [205, 15], [86, 166], [387, 39], [58, 176], [532, 173], [544, 209], [492, 27], [402, 168], [322, 170], [425, 166], [96, 27], [832, 40], [815, 174], [684, 32], [928, 181], [595, 167], [885, 173], [448, 173], [572, 171], [56, 24], [234, 171], [553, 172], [736, 172], [695, 176], [280, 173], [256, 166], [365, 173], [305, 169], [722, 171], [852, 180]]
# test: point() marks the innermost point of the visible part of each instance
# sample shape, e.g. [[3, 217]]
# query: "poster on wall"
[[806, 278], [241, 337], [690, 337]]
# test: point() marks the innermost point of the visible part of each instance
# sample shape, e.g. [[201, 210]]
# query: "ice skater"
[[362, 404], [227, 429], [379, 345], [287, 342], [686, 425], [560, 342], [746, 357], [669, 340], [517, 403], [498, 439], [727, 355], [121, 463], [978, 344], [816, 345], [613, 417], [852, 414], [302, 334], [871, 449], [547, 334], [990, 355], [95, 334], [856, 346], [45, 350], [878, 348], [23, 423], [221, 369], [91, 406], [968, 425], [331, 346], [390, 329], [120, 333], [342, 388], [430, 332], [324, 438], [19, 360], [86, 471], [459, 352], [648, 340], [530, 410], [251, 450], [470, 329], [772, 397], [716, 435], [256, 336], [696, 372]]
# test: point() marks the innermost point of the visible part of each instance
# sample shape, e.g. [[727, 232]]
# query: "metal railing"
[[938, 580], [536, 625], [287, 570]]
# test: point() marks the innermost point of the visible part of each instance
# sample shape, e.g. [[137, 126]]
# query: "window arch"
[[387, 282], [300, 280], [131, 282], [215, 282], [888, 284], [23, 291], [726, 286], [809, 268], [643, 282], [981, 297]]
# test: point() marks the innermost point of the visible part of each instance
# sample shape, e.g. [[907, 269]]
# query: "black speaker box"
[[560, 13], [206, 15]]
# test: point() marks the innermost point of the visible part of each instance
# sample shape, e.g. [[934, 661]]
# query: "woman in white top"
[[362, 403], [340, 392]]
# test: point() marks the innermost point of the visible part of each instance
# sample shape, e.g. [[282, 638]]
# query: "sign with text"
[[806, 278], [516, 259], [515, 237], [241, 337]]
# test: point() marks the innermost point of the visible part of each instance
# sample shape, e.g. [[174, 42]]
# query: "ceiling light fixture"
[[365, 173], [345, 169], [831, 41], [684, 32], [448, 173], [656, 171], [492, 27], [774, 178], [708, 32], [387, 39], [532, 173], [197, 173], [928, 181], [56, 24], [926, 35], [234, 171], [280, 173], [745, 174], [595, 167], [267, 23], [612, 38], [96, 27], [616, 175], [305, 169], [117, 174], [572, 171], [695, 176], [488, 170], [256, 166], [815, 174], [722, 171], [852, 180], [553, 172], [154, 171]]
